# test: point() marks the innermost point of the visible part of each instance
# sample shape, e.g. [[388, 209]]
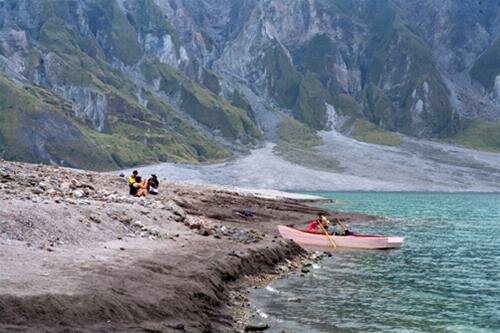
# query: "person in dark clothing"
[[153, 185], [131, 182]]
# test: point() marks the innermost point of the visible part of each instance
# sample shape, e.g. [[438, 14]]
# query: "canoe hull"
[[317, 241]]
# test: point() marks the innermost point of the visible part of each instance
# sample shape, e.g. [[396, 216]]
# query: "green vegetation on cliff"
[[304, 94], [406, 71], [107, 57], [147, 18], [211, 81], [133, 133], [368, 132], [291, 132], [282, 78], [34, 127], [480, 135], [378, 107], [106, 16], [297, 143], [310, 107], [487, 67], [346, 105], [203, 105], [395, 65], [319, 56], [239, 100], [38, 126]]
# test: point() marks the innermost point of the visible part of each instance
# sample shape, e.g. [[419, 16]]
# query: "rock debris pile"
[[106, 199]]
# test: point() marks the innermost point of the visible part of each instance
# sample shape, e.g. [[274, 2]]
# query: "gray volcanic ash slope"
[[416, 165]]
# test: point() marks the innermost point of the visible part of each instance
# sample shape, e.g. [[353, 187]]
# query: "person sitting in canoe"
[[320, 222], [338, 228]]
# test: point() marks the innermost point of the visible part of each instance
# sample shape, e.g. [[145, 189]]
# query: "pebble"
[[125, 219], [38, 190], [44, 186], [4, 173], [65, 186], [177, 210], [138, 224], [154, 231], [78, 194], [178, 327], [256, 327], [295, 300], [51, 191], [206, 231], [74, 184], [95, 218]]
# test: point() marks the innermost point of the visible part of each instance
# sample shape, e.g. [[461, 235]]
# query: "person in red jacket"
[[338, 228], [321, 221]]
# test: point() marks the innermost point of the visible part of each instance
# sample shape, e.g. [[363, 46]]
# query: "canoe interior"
[[322, 233]]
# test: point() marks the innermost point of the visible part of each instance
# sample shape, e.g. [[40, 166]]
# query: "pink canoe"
[[319, 241]]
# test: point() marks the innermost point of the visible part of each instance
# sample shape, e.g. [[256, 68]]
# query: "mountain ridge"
[[191, 81]]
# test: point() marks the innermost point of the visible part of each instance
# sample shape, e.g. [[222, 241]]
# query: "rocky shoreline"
[[246, 316], [79, 254]]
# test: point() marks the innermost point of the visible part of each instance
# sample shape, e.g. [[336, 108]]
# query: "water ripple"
[[446, 278]]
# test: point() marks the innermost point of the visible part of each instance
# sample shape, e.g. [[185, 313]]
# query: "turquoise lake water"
[[446, 277]]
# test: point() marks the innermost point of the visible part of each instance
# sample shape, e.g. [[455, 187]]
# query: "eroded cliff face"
[[117, 65], [193, 80], [406, 66], [463, 38]]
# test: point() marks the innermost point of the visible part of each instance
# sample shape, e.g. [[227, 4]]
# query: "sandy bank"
[[78, 254]]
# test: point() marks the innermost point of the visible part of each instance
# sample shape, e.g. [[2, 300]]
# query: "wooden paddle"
[[334, 246], [340, 223]]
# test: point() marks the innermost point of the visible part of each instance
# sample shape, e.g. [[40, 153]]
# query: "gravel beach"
[[79, 254]]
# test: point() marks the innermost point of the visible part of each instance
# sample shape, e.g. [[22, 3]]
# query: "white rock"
[[419, 107], [78, 194]]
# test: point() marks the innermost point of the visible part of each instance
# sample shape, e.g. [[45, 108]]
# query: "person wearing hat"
[[153, 185]]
